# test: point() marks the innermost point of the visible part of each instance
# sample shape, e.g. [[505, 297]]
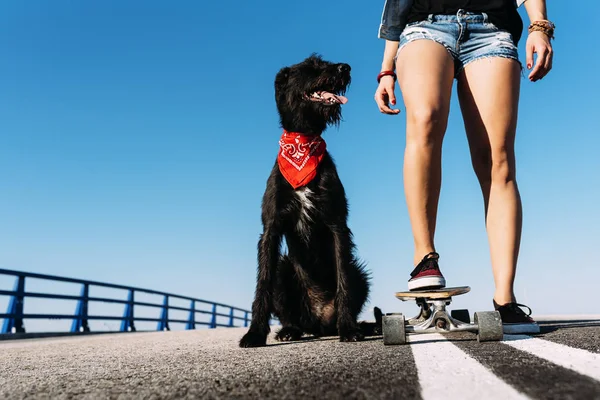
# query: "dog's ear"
[[282, 76]]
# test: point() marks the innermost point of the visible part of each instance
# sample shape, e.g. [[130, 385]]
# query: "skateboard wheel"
[[394, 331], [461, 315], [489, 326]]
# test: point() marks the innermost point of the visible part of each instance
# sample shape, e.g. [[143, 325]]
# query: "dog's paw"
[[378, 321], [253, 339], [288, 334], [352, 336], [378, 314]]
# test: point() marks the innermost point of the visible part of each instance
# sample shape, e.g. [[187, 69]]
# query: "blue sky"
[[136, 138]]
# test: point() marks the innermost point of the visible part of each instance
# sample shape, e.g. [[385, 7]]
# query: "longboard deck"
[[433, 294]]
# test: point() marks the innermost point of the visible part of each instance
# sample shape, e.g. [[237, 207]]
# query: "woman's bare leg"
[[425, 74], [488, 91]]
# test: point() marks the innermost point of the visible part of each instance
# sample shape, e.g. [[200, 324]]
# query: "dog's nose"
[[344, 68]]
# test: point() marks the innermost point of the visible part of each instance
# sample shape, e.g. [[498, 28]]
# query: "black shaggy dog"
[[318, 287]]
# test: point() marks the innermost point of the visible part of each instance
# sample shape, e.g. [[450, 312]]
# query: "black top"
[[502, 13]]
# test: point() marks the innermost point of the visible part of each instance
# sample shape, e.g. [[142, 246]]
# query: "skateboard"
[[433, 317]]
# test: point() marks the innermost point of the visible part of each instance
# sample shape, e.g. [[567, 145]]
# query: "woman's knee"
[[493, 166], [426, 125], [503, 167]]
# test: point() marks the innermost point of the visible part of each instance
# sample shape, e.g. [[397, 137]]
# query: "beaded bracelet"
[[543, 26]]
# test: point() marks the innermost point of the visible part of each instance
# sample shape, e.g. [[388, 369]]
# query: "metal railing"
[[13, 318]]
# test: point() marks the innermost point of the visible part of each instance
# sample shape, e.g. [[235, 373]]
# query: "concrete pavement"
[[563, 362]]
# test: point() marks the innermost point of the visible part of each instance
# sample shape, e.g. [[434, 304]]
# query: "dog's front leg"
[[346, 323], [268, 257]]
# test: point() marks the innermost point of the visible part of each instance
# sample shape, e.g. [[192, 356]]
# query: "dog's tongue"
[[339, 99]]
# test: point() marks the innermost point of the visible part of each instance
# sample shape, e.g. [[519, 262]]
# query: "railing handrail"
[[15, 315], [110, 285]]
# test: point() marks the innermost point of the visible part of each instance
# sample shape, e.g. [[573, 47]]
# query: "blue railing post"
[[127, 324], [246, 319], [80, 322], [231, 317], [192, 318], [14, 324], [213, 320], [163, 324]]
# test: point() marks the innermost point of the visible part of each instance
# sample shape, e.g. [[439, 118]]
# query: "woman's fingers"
[[391, 95], [383, 101], [384, 95], [548, 65], [539, 45], [539, 64], [529, 54]]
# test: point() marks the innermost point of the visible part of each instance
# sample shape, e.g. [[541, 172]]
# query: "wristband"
[[385, 73], [544, 26]]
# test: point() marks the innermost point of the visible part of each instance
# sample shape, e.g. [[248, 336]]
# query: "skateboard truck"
[[434, 318]]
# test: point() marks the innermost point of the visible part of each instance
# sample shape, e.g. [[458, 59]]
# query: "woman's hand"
[[385, 95], [539, 43]]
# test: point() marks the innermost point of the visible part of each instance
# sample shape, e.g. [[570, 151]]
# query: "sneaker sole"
[[427, 282], [513, 329]]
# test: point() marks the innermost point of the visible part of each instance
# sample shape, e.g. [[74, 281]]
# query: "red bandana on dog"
[[299, 157]]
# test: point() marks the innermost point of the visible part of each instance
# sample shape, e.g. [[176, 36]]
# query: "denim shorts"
[[466, 36]]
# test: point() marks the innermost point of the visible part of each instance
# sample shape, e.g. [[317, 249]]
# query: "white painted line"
[[581, 361], [568, 317], [446, 372]]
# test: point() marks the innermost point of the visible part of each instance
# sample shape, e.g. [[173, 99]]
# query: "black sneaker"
[[515, 320], [427, 274]]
